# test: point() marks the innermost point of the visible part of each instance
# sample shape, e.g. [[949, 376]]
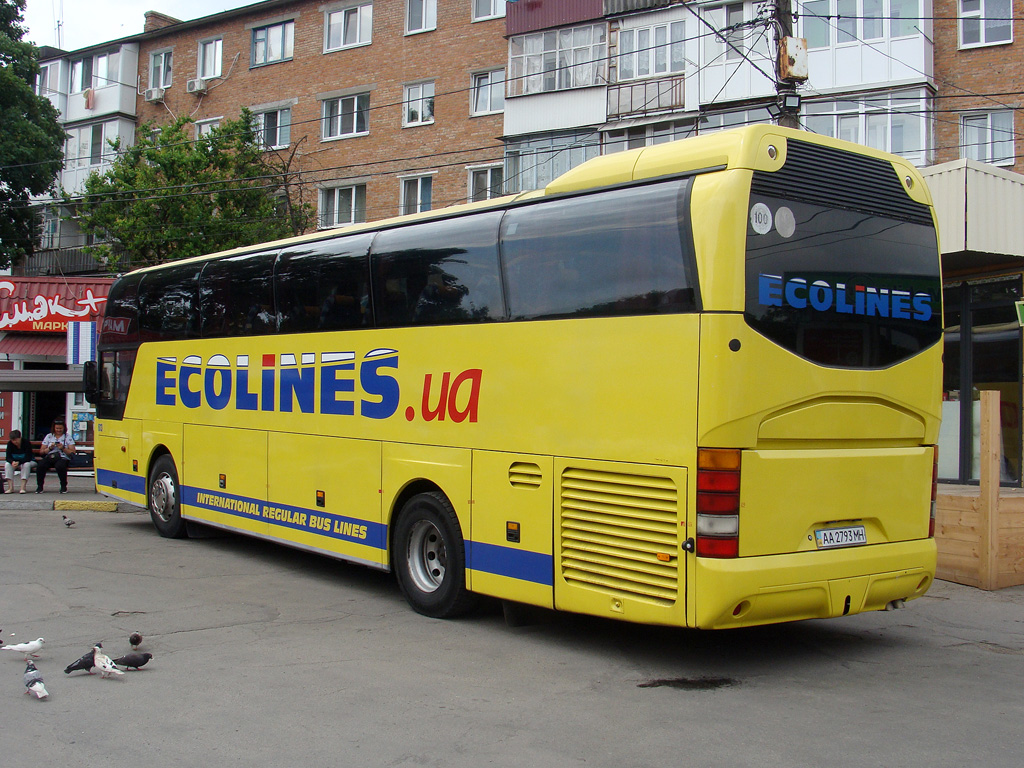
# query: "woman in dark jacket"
[[19, 458]]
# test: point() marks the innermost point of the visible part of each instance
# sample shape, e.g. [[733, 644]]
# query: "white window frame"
[[489, 191], [216, 44], [985, 151], [284, 32], [204, 127], [47, 73], [420, 16], [161, 64], [49, 232], [342, 18], [418, 104], [488, 86], [333, 116], [331, 208], [102, 65], [642, 56], [282, 128], [482, 10], [880, 121], [981, 18], [548, 61], [422, 181]]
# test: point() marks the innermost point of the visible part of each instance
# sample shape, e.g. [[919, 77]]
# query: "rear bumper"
[[748, 591]]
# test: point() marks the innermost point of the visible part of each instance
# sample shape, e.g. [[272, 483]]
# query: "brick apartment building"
[[388, 107]]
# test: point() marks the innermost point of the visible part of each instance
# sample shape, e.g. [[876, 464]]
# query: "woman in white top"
[[57, 448]]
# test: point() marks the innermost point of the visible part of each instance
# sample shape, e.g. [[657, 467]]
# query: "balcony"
[[60, 261], [644, 97]]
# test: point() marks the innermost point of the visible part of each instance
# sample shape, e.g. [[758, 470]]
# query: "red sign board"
[[48, 305]]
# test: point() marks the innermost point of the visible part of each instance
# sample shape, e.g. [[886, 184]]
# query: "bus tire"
[[163, 499], [430, 557]]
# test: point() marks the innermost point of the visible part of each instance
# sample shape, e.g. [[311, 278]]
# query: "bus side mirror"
[[91, 381]]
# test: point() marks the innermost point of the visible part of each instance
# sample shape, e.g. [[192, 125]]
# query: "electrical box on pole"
[[793, 59]]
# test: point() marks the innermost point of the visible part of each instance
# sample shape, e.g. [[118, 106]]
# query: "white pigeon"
[[34, 682], [103, 663], [29, 648]]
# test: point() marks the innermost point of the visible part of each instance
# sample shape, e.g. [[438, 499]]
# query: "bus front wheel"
[[430, 557], [164, 503]]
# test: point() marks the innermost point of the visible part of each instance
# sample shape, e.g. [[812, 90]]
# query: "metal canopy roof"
[[42, 381]]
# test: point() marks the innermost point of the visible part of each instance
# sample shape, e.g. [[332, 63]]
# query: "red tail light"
[[935, 492], [718, 502]]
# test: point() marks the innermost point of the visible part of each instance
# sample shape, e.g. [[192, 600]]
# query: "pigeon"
[[85, 663], [103, 663], [68, 522], [133, 660], [135, 640], [34, 682], [29, 648]]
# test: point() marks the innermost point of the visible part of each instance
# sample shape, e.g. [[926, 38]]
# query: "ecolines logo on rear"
[[323, 383], [850, 299]]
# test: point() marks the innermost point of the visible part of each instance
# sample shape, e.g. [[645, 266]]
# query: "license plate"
[[851, 536]]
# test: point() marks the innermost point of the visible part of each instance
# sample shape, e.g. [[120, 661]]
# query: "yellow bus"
[[694, 384]]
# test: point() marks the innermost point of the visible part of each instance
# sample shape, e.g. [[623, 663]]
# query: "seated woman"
[[57, 448], [19, 459]]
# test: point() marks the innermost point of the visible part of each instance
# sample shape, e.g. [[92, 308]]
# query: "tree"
[[169, 197], [31, 139]]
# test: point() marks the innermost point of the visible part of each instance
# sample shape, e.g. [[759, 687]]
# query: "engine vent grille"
[[614, 527]]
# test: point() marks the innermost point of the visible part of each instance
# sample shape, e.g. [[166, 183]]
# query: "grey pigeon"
[[34, 682], [67, 521], [135, 640], [85, 663], [133, 660]]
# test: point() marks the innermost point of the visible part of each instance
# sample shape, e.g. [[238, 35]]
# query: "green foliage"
[[170, 197], [31, 139]]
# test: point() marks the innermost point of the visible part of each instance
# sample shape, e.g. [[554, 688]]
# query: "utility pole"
[[791, 65]]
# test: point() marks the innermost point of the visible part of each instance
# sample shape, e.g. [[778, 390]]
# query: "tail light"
[[718, 502], [935, 492]]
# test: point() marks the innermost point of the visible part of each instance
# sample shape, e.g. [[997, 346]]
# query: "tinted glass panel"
[[622, 252], [325, 286], [438, 272], [121, 315], [237, 296], [840, 287], [115, 369], [169, 303]]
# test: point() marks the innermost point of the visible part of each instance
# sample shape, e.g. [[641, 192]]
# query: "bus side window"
[[169, 304], [237, 296], [325, 285], [438, 272], [619, 252]]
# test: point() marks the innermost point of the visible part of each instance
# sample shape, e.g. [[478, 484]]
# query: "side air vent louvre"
[[619, 533], [523, 474]]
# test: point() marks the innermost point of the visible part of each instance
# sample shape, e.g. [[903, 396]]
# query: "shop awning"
[[42, 381], [34, 344]]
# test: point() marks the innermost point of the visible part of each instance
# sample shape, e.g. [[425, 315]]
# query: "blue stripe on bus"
[[121, 480], [513, 563], [289, 516]]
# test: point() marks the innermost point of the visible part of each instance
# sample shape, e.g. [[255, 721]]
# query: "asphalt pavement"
[[266, 656]]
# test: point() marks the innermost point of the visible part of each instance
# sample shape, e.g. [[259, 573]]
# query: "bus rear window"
[[841, 287]]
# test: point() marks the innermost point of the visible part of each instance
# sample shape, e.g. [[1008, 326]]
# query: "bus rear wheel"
[[430, 557], [163, 499]]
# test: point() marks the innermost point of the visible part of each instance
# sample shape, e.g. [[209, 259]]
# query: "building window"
[[985, 22], [987, 137], [728, 42], [416, 193], [904, 18], [349, 27], [342, 205], [86, 146], [92, 72], [419, 104], [532, 163], [485, 183], [555, 60], [346, 116], [646, 135], [420, 15], [50, 234], [488, 9], [160, 70], [205, 127], [47, 80], [274, 127], [648, 51], [210, 54], [273, 43], [892, 123], [488, 92], [104, 70]]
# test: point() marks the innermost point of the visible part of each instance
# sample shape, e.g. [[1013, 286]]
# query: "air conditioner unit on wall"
[[154, 94], [196, 86]]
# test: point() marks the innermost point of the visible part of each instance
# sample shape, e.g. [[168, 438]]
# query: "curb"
[[98, 506]]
